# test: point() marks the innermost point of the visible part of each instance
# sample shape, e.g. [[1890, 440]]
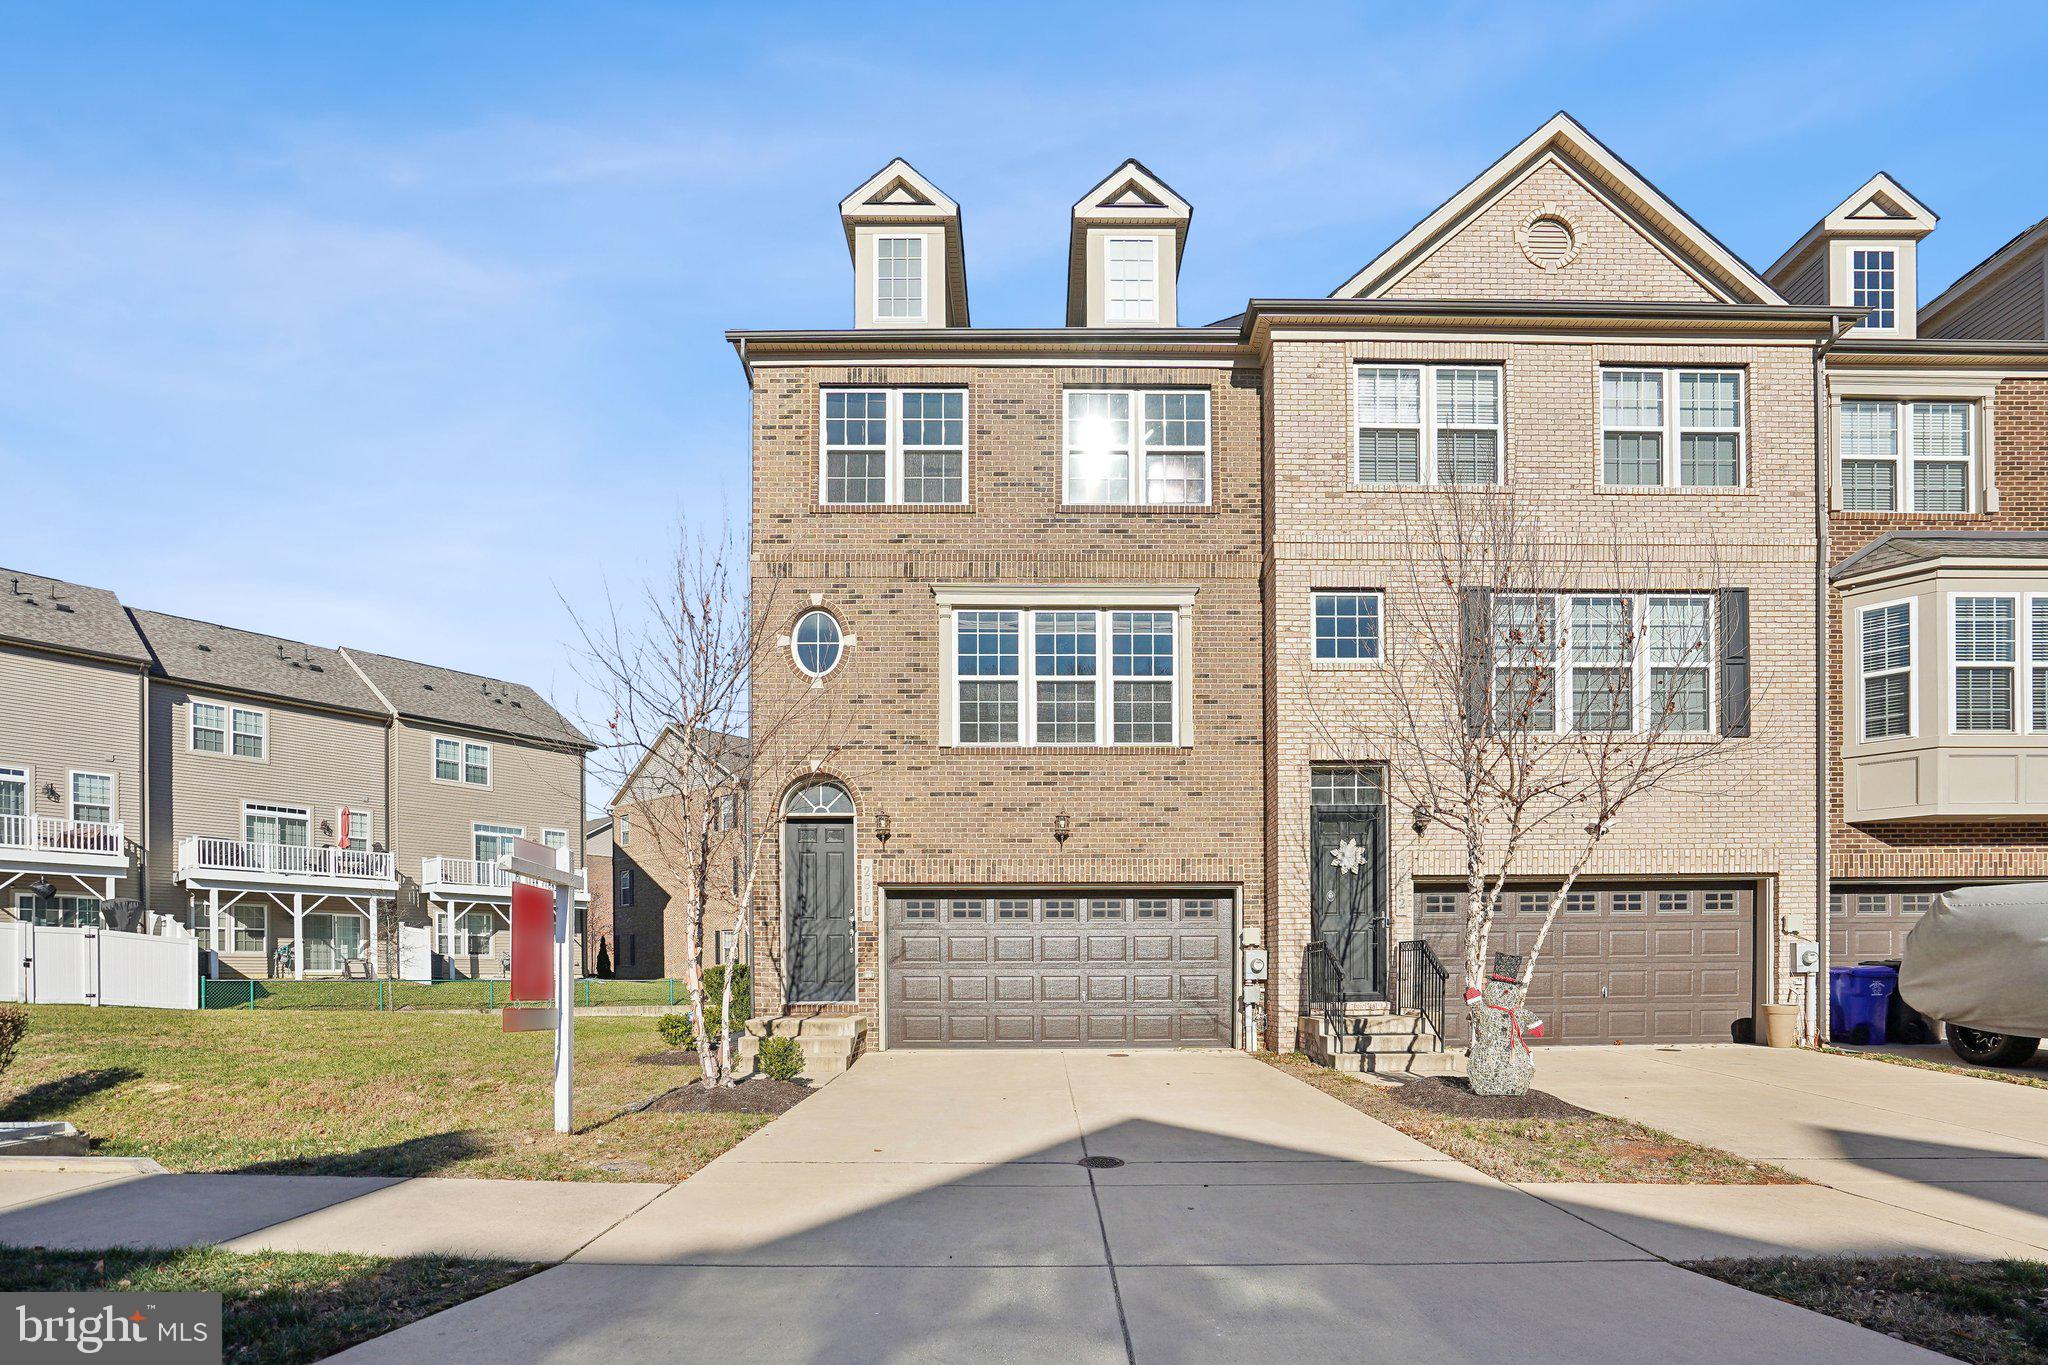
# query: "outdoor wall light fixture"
[[1062, 826], [43, 891], [882, 829], [1420, 821], [50, 791]]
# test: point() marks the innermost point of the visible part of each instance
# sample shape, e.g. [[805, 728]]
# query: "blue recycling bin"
[[1858, 999]]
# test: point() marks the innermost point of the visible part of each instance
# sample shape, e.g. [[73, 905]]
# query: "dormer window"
[[1133, 285], [1873, 283], [899, 278]]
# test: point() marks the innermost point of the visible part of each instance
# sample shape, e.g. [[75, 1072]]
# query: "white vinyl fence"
[[45, 966]]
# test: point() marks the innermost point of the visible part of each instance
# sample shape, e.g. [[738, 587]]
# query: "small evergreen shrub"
[[782, 1059], [676, 1031], [13, 1024]]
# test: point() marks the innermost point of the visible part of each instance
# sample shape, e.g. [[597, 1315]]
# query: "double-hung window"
[[899, 279], [1347, 627], [1886, 663], [1670, 428], [460, 761], [220, 729], [1087, 677], [1132, 293], [894, 446], [1427, 424], [1906, 456], [1604, 663], [1137, 447], [1873, 284], [92, 798], [1986, 638], [2037, 662]]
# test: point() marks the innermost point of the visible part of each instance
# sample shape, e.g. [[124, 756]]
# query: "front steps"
[[1374, 1039], [830, 1044]]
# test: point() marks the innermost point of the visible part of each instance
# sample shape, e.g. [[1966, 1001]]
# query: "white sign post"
[[550, 867]]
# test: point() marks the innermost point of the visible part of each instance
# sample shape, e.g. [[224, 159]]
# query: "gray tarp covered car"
[[1979, 959]]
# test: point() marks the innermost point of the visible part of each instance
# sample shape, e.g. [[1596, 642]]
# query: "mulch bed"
[[1453, 1095], [758, 1095], [673, 1057]]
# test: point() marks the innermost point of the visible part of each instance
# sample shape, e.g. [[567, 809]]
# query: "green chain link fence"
[[462, 994]]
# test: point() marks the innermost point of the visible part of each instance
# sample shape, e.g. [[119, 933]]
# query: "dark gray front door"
[[818, 884], [1349, 884]]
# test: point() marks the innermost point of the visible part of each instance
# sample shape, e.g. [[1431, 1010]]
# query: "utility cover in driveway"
[[1059, 970]]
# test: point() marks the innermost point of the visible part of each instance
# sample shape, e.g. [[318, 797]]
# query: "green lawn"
[[276, 1308], [357, 1093], [240, 994]]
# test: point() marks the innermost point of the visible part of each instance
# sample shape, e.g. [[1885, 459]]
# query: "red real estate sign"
[[533, 944]]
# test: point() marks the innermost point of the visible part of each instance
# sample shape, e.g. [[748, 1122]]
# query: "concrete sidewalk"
[[1933, 1162], [930, 1205]]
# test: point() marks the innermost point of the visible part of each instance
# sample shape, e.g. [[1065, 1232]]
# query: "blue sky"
[[380, 323]]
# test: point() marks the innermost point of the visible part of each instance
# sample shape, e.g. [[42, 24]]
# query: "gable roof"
[[426, 692], [732, 752], [1129, 196], [1880, 207], [899, 194], [2026, 243], [52, 613], [1564, 140], [202, 653]]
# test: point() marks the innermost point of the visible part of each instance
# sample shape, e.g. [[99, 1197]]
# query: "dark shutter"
[[1734, 661], [1475, 639]]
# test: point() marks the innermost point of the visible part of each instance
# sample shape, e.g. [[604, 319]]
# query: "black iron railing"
[[1322, 984], [1419, 982]]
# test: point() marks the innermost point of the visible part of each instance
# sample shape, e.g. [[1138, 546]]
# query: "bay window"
[[1137, 447], [1423, 424], [1906, 456], [1057, 691], [1675, 428], [1604, 663], [893, 446], [1886, 663], [1986, 645]]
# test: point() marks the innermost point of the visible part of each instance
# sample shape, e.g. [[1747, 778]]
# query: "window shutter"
[[1734, 645], [1475, 638]]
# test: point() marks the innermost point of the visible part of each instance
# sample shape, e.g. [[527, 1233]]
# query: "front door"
[[818, 885], [1349, 885]]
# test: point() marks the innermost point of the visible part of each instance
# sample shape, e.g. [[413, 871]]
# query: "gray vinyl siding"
[[1809, 284], [63, 713], [316, 759], [532, 787], [2007, 309]]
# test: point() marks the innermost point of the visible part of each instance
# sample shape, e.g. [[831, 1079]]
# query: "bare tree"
[[1538, 682], [677, 674]]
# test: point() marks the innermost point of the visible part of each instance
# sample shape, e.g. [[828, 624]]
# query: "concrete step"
[[813, 1026], [1399, 1064], [1387, 1024], [829, 1045], [1385, 1043]]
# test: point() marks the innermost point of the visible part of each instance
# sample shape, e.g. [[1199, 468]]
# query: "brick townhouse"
[[1085, 622]]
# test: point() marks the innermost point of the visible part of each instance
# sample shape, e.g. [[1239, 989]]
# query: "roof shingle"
[[246, 661], [424, 692], [48, 611]]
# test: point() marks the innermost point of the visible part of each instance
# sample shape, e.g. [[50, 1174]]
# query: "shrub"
[[676, 1031], [13, 1024], [782, 1059]]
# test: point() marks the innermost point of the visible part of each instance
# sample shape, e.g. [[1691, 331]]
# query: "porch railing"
[[1420, 981], [1322, 985], [200, 853], [49, 834], [472, 874]]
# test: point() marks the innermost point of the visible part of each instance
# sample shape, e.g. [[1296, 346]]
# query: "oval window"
[[817, 643]]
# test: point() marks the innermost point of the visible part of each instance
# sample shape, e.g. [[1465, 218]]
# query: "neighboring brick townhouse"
[[296, 807], [1072, 607]]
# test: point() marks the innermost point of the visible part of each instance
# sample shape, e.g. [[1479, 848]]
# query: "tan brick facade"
[[980, 817]]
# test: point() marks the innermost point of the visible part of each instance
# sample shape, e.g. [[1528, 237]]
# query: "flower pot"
[[1781, 1025]]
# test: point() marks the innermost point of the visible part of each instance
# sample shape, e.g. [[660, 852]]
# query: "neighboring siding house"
[[474, 763], [72, 797], [596, 935], [1938, 557], [654, 832]]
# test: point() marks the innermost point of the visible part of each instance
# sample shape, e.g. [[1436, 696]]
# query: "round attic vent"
[[1548, 239]]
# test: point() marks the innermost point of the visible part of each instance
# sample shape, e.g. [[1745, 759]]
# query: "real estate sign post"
[[550, 868]]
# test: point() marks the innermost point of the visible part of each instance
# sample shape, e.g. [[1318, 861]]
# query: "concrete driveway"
[[933, 1206], [1914, 1145]]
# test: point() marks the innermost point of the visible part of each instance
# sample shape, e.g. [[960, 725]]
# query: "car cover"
[[1980, 958]]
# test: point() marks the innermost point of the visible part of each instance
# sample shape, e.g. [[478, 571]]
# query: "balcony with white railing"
[[204, 859], [476, 879], [29, 841]]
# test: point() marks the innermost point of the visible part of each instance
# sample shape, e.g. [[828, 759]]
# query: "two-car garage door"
[[1059, 969], [1652, 963]]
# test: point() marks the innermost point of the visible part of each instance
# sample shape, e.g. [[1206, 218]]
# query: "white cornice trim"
[[1177, 596]]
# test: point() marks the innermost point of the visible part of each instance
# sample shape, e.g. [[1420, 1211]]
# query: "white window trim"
[[192, 706], [1673, 429], [1426, 388], [1892, 268], [497, 831], [1639, 664], [461, 778], [563, 832], [1379, 653], [1978, 492], [624, 888], [273, 808], [924, 278], [893, 448], [369, 828], [1136, 399], [956, 598], [2017, 667], [1912, 670], [2036, 723], [1109, 301], [71, 793]]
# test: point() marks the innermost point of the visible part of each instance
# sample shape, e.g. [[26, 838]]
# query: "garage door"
[[1046, 969], [1625, 963], [1870, 924]]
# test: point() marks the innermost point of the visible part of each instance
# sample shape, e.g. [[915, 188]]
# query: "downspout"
[[142, 779], [1823, 467]]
